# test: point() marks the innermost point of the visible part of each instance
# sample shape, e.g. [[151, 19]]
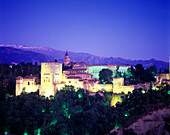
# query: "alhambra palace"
[[81, 75]]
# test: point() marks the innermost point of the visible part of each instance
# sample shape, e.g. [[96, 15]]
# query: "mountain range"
[[19, 53]]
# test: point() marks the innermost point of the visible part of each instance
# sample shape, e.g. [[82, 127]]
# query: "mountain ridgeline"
[[20, 53]]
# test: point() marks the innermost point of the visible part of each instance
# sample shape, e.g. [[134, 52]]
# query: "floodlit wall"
[[105, 87], [58, 87], [161, 77], [117, 86], [51, 74], [19, 88], [90, 86], [118, 81], [53, 79], [127, 89], [64, 76], [29, 85], [144, 86], [74, 82], [26, 85]]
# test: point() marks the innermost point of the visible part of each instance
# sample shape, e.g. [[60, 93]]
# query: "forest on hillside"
[[74, 112]]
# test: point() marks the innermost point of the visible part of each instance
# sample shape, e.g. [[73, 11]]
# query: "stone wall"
[[26, 85], [51, 74]]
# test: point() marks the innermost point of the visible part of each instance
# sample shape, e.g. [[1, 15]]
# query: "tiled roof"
[[73, 77], [93, 80], [30, 77], [83, 73], [76, 69], [90, 80], [27, 77]]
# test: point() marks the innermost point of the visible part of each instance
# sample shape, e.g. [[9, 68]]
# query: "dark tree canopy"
[[140, 75], [118, 73], [105, 76], [9, 73], [76, 112]]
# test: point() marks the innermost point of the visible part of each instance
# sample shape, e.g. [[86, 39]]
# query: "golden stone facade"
[[53, 78]]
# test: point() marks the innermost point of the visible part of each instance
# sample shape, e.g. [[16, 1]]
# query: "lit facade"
[[96, 68], [27, 84], [53, 78], [163, 78]]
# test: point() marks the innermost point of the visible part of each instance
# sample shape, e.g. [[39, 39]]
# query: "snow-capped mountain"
[[18, 53]]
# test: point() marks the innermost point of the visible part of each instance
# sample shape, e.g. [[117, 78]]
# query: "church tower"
[[66, 59]]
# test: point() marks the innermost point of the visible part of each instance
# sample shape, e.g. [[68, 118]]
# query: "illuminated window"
[[48, 80], [44, 80]]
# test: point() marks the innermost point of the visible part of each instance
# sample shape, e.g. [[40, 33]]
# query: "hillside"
[[9, 55], [51, 54], [155, 123]]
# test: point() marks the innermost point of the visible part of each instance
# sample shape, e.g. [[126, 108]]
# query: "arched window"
[[28, 83]]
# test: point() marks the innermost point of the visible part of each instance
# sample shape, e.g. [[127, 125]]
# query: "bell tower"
[[66, 59]]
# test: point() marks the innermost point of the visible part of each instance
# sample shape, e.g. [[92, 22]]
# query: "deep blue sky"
[[135, 29]]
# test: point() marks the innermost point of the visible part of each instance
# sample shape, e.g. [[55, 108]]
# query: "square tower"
[[51, 74]]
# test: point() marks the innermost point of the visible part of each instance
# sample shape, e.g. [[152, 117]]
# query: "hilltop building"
[[66, 59], [27, 84], [53, 78], [94, 69]]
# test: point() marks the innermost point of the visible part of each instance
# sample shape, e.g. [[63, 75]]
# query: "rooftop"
[[76, 69], [28, 77], [73, 77], [79, 73]]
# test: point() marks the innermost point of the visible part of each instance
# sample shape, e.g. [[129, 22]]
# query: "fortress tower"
[[66, 59], [51, 75]]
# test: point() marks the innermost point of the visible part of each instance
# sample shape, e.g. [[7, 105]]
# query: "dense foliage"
[[138, 74], [8, 75], [105, 76], [70, 111], [75, 112]]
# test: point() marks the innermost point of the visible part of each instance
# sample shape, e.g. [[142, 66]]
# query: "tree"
[[118, 74], [105, 76], [160, 71], [166, 70], [130, 72], [152, 70], [2, 93]]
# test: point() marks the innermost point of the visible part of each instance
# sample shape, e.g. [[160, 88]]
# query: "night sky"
[[134, 29]]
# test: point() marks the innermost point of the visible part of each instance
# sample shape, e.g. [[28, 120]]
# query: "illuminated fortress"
[[81, 75]]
